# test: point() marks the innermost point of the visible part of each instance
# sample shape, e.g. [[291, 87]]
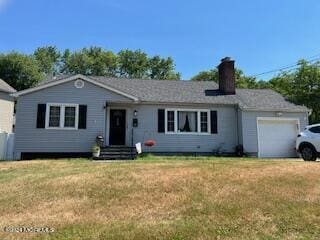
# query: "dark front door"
[[117, 134]]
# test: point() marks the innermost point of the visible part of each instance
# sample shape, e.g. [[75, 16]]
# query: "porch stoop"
[[117, 153]]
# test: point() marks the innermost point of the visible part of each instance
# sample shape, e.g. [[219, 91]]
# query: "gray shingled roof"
[[5, 87], [265, 99], [167, 91]]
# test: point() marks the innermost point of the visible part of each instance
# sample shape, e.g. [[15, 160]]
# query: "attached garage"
[[277, 137]]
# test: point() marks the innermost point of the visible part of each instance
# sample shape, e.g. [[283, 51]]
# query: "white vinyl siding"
[[6, 112]]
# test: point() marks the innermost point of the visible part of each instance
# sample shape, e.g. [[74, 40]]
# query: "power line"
[[291, 67]]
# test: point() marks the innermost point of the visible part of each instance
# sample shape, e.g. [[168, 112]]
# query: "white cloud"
[[3, 4]]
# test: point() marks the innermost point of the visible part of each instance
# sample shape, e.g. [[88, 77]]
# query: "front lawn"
[[162, 198]]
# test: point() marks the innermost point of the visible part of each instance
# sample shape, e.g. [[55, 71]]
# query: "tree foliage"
[[125, 64], [301, 86], [162, 68], [137, 64], [48, 59], [133, 64], [23, 71], [210, 75], [242, 81], [19, 70], [89, 61]]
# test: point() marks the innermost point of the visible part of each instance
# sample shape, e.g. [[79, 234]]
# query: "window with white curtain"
[[187, 121]]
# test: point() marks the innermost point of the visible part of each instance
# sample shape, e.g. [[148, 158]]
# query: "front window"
[[185, 121], [62, 116]]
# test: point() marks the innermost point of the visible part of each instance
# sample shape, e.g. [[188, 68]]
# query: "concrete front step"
[[117, 153], [117, 149], [114, 158]]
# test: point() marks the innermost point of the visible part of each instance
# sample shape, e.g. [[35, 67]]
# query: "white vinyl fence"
[[6, 146]]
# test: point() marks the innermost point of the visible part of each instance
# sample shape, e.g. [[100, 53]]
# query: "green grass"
[[162, 198]]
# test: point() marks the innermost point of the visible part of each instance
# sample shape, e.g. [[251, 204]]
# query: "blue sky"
[[260, 35]]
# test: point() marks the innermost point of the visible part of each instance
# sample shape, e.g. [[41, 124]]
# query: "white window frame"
[[62, 115], [176, 131]]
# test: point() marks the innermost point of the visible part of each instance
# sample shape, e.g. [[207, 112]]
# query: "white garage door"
[[277, 137]]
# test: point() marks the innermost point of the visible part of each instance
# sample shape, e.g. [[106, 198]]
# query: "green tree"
[[102, 63], [242, 81], [301, 86], [162, 68], [48, 59], [19, 70], [133, 64], [263, 84], [90, 61], [128, 64], [65, 57], [76, 63], [24, 71], [210, 75]]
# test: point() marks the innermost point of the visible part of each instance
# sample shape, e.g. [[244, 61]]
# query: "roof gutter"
[[276, 110], [187, 103]]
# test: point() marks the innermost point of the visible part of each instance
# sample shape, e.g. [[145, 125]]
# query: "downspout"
[[132, 132], [105, 122], [131, 140], [238, 135]]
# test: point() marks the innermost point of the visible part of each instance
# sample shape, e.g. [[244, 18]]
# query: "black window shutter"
[[196, 120], [82, 123], [161, 120], [214, 122], [41, 116]]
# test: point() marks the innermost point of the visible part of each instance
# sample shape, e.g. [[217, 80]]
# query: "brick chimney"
[[227, 76]]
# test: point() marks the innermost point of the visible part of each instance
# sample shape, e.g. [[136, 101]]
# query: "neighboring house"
[[6, 107], [63, 116]]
